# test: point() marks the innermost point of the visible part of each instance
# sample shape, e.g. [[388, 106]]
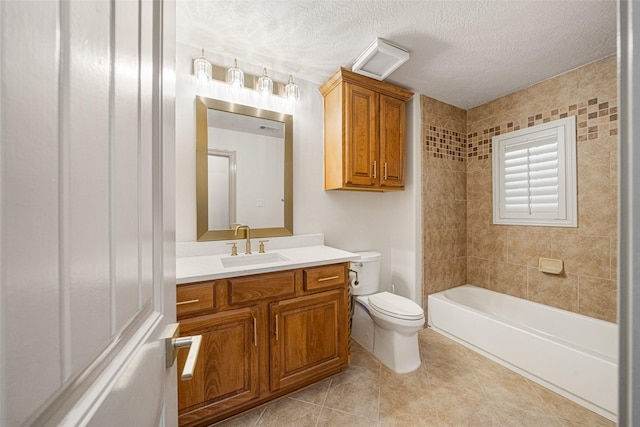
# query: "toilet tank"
[[368, 269]]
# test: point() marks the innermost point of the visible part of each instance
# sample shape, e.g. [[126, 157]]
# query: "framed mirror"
[[244, 170]]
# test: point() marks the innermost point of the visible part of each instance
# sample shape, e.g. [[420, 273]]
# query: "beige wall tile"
[[460, 185], [479, 213], [559, 291], [497, 255], [598, 79], [479, 184], [522, 248], [598, 298], [438, 184], [446, 244], [554, 92], [588, 255], [446, 274], [509, 279], [597, 215], [434, 215], [488, 243], [478, 272], [593, 175]]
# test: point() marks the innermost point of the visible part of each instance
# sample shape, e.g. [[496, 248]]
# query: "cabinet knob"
[[173, 343], [375, 168]]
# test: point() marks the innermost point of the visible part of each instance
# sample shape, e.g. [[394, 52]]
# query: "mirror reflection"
[[243, 170]]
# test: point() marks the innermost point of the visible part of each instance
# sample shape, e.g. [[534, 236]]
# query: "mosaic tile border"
[[445, 144], [595, 117]]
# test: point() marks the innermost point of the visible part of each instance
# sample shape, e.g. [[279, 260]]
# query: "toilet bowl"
[[385, 324]]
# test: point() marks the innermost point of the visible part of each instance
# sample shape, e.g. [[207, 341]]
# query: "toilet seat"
[[395, 306]]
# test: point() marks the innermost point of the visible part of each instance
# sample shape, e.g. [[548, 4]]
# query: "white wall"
[[350, 220]]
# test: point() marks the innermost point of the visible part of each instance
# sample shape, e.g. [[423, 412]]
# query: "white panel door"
[[87, 235]]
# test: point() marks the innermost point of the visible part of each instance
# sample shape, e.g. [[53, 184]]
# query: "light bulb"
[[202, 69], [291, 90], [265, 84], [235, 76]]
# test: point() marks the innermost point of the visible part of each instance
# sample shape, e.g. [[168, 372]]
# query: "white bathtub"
[[571, 354]]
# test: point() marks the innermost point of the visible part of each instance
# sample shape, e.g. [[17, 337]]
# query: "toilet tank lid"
[[369, 256], [395, 305]]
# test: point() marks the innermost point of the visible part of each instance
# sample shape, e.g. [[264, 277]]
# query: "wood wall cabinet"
[[263, 336], [364, 133]]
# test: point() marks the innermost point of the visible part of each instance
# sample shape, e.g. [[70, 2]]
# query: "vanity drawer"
[[324, 277], [261, 286], [192, 298]]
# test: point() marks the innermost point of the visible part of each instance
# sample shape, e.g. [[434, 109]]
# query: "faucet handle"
[[262, 242], [234, 248]]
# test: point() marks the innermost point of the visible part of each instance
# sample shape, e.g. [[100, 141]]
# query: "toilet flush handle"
[[356, 282]]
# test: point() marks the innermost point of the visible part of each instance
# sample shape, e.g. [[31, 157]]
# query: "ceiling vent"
[[380, 59]]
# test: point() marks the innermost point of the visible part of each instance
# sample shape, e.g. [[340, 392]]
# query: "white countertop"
[[190, 269]]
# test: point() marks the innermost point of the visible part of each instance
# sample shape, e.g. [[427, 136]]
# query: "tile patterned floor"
[[454, 387]]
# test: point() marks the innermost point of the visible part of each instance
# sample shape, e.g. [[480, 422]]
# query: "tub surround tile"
[[591, 171], [614, 258], [509, 279], [559, 290], [523, 248], [598, 298], [478, 272], [479, 213], [479, 184], [445, 244], [590, 95], [488, 243], [588, 255], [446, 274], [597, 215]]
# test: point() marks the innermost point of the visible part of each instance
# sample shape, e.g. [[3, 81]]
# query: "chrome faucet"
[[246, 227]]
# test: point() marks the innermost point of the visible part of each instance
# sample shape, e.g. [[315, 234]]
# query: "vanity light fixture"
[[265, 84], [202, 68], [291, 90], [235, 76]]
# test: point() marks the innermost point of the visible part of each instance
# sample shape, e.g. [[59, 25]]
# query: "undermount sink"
[[246, 260]]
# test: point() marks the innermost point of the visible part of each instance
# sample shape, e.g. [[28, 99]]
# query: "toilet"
[[385, 324]]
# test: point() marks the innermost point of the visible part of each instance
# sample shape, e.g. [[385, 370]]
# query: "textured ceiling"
[[464, 53]]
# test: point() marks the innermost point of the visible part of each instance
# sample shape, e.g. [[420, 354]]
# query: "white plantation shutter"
[[534, 175]]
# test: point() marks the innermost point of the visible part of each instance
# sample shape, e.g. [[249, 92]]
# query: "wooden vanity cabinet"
[[226, 373], [308, 341], [263, 336], [364, 133]]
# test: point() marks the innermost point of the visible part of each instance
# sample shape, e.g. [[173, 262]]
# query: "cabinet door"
[[392, 142], [361, 136], [309, 338], [226, 373]]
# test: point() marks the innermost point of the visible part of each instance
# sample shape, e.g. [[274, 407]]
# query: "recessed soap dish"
[[549, 265]]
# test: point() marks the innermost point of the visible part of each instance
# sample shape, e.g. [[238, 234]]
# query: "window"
[[534, 175]]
